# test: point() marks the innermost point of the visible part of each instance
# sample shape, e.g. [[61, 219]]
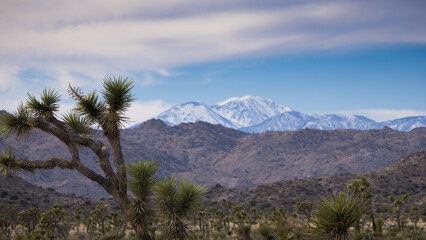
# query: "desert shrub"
[[265, 231], [114, 235], [335, 215]]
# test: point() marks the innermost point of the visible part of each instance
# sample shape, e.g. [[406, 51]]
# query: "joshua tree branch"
[[31, 165], [99, 148]]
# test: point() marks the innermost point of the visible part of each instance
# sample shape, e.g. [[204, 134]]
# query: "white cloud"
[[385, 114], [144, 110]]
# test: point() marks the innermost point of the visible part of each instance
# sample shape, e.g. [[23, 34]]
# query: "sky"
[[349, 57]]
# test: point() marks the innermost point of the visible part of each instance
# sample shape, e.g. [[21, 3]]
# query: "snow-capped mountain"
[[256, 114], [287, 121], [406, 124], [248, 110], [339, 121], [295, 120], [193, 112]]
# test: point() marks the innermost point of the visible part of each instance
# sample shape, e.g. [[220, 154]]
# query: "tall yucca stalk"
[[335, 215]]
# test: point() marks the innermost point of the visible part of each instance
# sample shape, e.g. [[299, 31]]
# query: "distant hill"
[[212, 154], [406, 175], [15, 190]]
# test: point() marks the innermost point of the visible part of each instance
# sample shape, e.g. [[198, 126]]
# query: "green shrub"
[[335, 215]]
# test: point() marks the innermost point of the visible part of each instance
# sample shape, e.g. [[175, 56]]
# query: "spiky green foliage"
[[177, 201], [141, 183], [80, 124], [48, 104], [109, 112], [117, 93], [7, 161], [16, 122], [89, 105], [361, 187], [334, 215], [142, 178]]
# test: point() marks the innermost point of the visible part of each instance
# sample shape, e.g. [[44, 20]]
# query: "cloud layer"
[[82, 41], [137, 35]]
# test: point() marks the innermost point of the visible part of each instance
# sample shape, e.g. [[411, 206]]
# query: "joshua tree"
[[55, 220], [333, 216], [29, 218], [100, 216], [397, 207], [363, 188], [415, 213], [177, 201], [227, 205], [8, 217], [74, 130], [305, 208]]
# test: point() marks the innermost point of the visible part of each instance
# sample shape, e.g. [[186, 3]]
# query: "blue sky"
[[352, 57]]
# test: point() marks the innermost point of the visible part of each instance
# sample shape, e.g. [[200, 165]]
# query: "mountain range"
[[253, 114], [404, 176], [213, 154]]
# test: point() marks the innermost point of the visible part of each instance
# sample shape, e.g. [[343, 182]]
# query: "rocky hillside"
[[15, 190], [406, 175], [212, 154]]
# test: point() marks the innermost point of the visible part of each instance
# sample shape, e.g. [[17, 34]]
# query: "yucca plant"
[[141, 183], [335, 215], [177, 201]]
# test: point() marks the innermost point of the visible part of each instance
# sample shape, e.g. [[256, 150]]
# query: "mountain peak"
[[191, 112], [243, 98], [248, 110]]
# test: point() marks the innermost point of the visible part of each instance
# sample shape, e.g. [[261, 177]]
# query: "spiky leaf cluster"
[[141, 183], [80, 124], [7, 161], [176, 201], [46, 106], [117, 93], [334, 215], [109, 112], [16, 122]]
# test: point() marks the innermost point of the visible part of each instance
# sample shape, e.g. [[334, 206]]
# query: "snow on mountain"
[[248, 110], [339, 121], [295, 120], [193, 112], [406, 124], [286, 121], [256, 114]]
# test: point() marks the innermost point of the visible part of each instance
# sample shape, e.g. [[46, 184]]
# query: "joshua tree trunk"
[[373, 222]]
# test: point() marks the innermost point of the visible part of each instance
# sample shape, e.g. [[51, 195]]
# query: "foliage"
[[334, 215], [8, 217], [47, 106], [176, 202], [16, 122], [397, 207], [7, 161], [141, 183], [55, 221], [30, 218]]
